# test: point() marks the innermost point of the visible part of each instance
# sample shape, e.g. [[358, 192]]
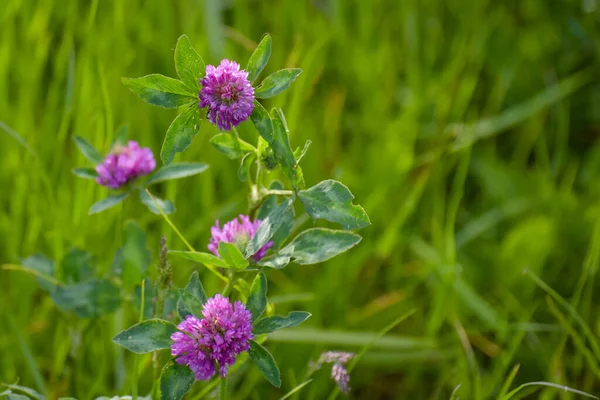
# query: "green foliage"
[[136, 256], [454, 124], [108, 202], [89, 299], [188, 64], [265, 363], [283, 150], [262, 122], [257, 298], [88, 151], [188, 304], [313, 246], [86, 173], [277, 82], [232, 256], [332, 201], [147, 336], [276, 322], [192, 298], [195, 288], [156, 205], [230, 146], [176, 171], [175, 381], [202, 258], [277, 219], [160, 90], [260, 58], [180, 134]]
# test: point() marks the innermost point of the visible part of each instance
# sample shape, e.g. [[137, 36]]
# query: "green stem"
[[235, 133], [134, 379], [189, 246], [223, 389], [267, 192], [229, 285]]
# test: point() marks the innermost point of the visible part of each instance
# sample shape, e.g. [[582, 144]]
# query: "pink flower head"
[[218, 338], [124, 164], [339, 373], [227, 94], [238, 232]]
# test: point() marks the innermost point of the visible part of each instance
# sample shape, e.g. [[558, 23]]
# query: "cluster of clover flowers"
[[215, 331]]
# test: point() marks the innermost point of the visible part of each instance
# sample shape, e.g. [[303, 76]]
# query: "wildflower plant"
[[212, 332], [126, 169]]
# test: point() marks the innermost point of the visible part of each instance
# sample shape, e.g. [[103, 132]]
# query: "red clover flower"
[[218, 338], [237, 233], [124, 164], [227, 93]]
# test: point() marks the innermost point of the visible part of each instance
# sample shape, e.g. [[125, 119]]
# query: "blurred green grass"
[[467, 129]]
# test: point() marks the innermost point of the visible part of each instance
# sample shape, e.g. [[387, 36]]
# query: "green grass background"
[[467, 129]]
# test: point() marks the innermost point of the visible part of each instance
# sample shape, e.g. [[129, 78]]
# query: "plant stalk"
[[223, 389]]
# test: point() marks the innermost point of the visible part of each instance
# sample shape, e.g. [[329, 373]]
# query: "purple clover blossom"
[[339, 373], [223, 333], [339, 357], [227, 93], [124, 164], [237, 233]]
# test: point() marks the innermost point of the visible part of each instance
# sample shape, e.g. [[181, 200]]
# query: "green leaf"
[[88, 299], [268, 207], [202, 258], [188, 63], [191, 299], [257, 298], [88, 151], [121, 135], [230, 146], [277, 82], [188, 304], [332, 201], [28, 391], [260, 57], [276, 322], [167, 206], [277, 261], [295, 390], [232, 256], [311, 247], [147, 336], [86, 173], [176, 171], [195, 288], [270, 201], [319, 244], [161, 91], [278, 219], [77, 266], [265, 363], [107, 203], [299, 154], [44, 265], [262, 122], [283, 150], [16, 396], [175, 381], [136, 256], [245, 165], [180, 134]]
